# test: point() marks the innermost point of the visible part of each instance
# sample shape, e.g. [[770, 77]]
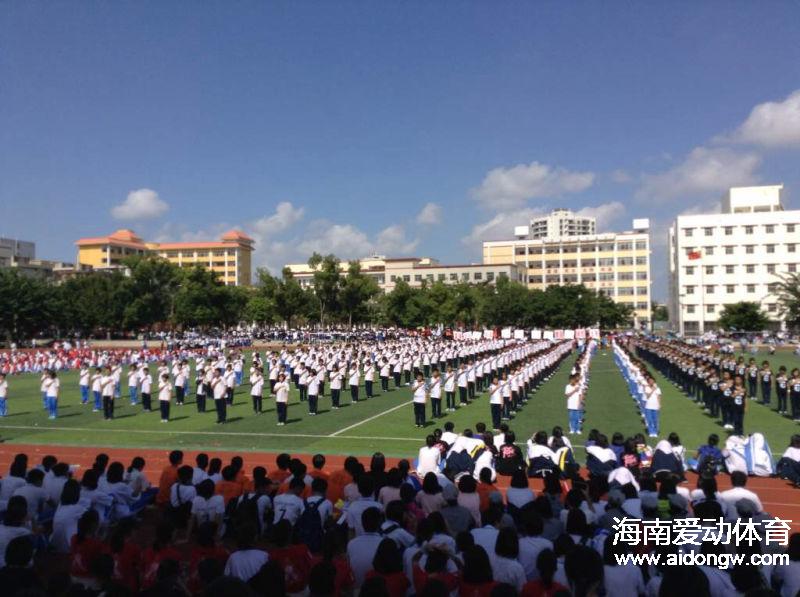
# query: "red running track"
[[778, 497]]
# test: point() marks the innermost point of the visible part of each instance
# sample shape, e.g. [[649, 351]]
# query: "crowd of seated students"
[[439, 526]]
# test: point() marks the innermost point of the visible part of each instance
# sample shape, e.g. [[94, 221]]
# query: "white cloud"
[[704, 170], [286, 215], [141, 204], [392, 241], [430, 214], [771, 124], [605, 213], [621, 176], [508, 188]]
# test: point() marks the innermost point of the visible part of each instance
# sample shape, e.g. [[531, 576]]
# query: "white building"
[[561, 223], [736, 255], [616, 264]]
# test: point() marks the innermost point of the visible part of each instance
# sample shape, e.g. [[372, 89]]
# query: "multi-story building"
[[12, 250], [417, 270], [229, 257], [736, 255], [559, 223], [614, 264]]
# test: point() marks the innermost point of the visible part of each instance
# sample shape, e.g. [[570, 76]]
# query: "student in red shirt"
[[295, 559], [485, 487], [228, 488], [333, 554], [477, 579], [85, 547], [544, 586], [169, 476], [339, 479], [206, 549], [388, 564], [317, 466], [160, 551], [127, 555], [279, 475]]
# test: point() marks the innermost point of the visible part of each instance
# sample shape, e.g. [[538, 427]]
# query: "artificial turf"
[[384, 423]]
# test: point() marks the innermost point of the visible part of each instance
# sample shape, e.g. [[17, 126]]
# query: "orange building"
[[229, 257]]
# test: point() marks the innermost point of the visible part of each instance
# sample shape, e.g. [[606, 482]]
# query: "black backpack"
[[309, 529], [242, 511]]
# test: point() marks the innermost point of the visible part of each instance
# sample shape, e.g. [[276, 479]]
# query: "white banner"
[[548, 335], [594, 333], [519, 334], [505, 333], [488, 334], [536, 334], [580, 333], [569, 334]]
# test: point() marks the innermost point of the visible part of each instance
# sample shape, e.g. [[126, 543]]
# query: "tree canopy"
[[154, 294], [743, 316]]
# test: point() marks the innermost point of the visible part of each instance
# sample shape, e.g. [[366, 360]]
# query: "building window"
[[750, 268], [709, 250], [690, 290], [417, 278], [605, 261], [771, 268], [709, 288], [729, 249], [490, 276], [791, 248], [690, 309], [465, 276], [689, 270], [406, 277], [728, 230], [429, 277], [625, 261], [688, 232], [642, 260], [624, 246], [772, 308], [770, 248], [749, 249], [453, 277], [792, 267], [730, 288], [641, 245], [531, 279], [641, 275], [730, 269], [441, 277], [772, 287], [709, 308], [769, 228], [519, 251], [709, 269], [789, 227], [748, 229], [478, 276], [751, 288], [392, 277], [708, 231]]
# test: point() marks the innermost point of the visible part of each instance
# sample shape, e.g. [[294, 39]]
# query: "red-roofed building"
[[229, 257]]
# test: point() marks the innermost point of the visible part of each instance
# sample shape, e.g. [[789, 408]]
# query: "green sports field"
[[384, 423]]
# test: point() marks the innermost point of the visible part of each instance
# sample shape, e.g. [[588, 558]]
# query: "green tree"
[[92, 303], [743, 316], [789, 299], [357, 289], [25, 305], [659, 312], [151, 285], [325, 282], [290, 300]]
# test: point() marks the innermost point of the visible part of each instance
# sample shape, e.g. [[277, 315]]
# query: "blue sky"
[[332, 125]]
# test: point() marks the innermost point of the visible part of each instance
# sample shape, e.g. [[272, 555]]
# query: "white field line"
[[212, 433], [367, 420]]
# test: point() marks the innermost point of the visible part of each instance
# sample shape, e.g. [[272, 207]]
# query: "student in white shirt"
[[354, 379], [107, 390], [738, 492], [573, 395], [313, 393], [207, 507], [246, 561], [361, 548], [420, 392], [435, 388], [52, 385], [282, 399], [97, 387], [369, 378], [14, 525], [146, 381], [220, 391], [496, 402], [65, 521], [84, 383], [257, 390], [181, 376], [505, 567], [164, 396], [230, 383], [652, 406], [289, 506], [429, 458], [133, 384], [625, 581]]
